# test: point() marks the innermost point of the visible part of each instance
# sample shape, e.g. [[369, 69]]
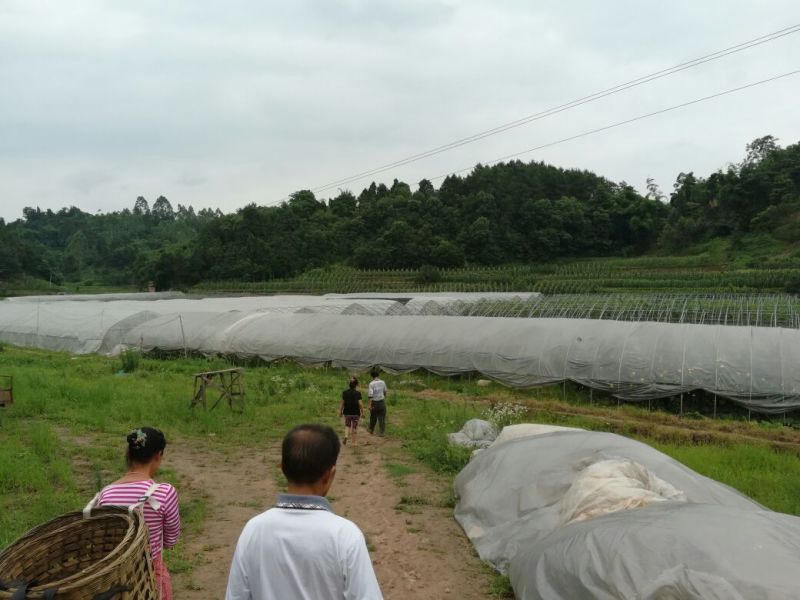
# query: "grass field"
[[63, 437]]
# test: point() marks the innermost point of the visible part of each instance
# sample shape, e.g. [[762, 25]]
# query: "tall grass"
[[129, 360], [35, 476], [768, 476]]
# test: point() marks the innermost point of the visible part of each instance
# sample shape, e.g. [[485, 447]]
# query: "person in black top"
[[351, 409]]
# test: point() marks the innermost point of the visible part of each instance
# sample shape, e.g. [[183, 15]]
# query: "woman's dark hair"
[[308, 451], [353, 383], [143, 444]]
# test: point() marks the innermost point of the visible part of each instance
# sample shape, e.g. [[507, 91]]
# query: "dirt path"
[[236, 487], [417, 548]]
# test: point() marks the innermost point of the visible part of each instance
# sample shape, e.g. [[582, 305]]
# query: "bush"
[[130, 360], [428, 274], [791, 284]]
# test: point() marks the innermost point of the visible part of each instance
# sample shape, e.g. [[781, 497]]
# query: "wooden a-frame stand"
[[227, 382]]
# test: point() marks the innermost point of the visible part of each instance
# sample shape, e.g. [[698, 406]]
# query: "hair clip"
[[141, 438]]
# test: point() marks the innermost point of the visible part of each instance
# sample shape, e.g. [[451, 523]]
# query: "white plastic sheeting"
[[667, 551], [754, 366], [690, 538], [438, 296], [138, 296], [95, 323], [513, 432], [476, 433]]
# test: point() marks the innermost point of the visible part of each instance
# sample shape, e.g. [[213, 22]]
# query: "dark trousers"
[[378, 414]]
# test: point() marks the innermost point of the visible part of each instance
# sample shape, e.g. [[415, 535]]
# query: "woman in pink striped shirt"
[[145, 452]]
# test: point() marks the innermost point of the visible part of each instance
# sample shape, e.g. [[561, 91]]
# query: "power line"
[[567, 106], [626, 122]]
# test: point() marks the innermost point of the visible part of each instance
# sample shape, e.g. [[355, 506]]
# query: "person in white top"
[[300, 549], [377, 391]]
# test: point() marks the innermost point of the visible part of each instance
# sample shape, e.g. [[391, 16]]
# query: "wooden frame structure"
[[227, 382], [6, 390]]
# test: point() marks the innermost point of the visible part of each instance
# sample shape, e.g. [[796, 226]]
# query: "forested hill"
[[507, 213]]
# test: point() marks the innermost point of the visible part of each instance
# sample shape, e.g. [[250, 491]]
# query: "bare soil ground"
[[236, 487], [417, 547]]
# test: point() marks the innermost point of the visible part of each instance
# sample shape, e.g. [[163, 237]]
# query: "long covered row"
[[754, 366]]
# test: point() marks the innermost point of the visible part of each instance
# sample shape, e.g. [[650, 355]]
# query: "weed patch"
[[129, 360]]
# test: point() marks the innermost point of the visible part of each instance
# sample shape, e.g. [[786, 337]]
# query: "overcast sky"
[[220, 104]]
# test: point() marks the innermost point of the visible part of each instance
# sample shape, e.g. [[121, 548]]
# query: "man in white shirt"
[[300, 549], [377, 391]]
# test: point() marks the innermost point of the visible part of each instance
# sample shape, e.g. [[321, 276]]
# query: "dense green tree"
[[10, 265], [76, 253], [141, 207], [762, 194], [506, 213], [344, 205], [162, 210]]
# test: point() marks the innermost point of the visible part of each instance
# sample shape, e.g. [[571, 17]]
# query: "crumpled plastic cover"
[[611, 485], [476, 433], [708, 541]]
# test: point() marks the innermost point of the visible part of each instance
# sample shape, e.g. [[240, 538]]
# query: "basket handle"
[[112, 591]]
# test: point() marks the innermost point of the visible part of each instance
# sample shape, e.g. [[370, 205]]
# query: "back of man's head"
[[308, 452]]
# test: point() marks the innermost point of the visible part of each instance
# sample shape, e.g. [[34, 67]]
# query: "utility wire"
[[567, 106], [626, 122]]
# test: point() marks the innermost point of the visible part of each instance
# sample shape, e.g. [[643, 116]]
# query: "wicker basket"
[[82, 558]]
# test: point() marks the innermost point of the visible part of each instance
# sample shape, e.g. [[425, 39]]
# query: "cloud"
[[87, 181], [191, 180], [219, 105]]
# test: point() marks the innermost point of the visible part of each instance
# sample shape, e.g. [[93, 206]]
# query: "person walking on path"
[[300, 549], [159, 500], [377, 402], [351, 409]]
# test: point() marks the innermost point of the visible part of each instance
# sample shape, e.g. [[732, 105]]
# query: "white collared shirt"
[[377, 390], [301, 550]]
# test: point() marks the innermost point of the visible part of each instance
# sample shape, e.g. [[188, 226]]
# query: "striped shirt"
[[163, 524]]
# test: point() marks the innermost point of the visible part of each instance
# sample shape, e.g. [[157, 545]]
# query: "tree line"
[[511, 212]]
